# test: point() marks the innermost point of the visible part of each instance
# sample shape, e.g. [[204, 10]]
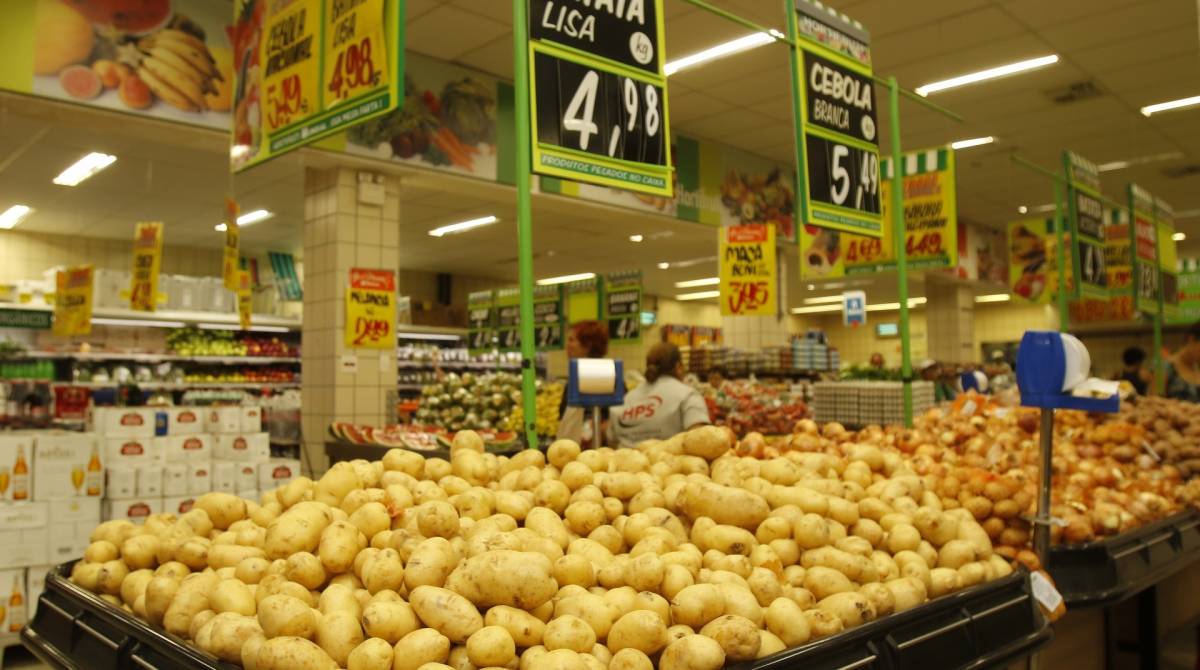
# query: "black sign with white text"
[[842, 175], [1092, 270], [625, 31], [1089, 212], [839, 99]]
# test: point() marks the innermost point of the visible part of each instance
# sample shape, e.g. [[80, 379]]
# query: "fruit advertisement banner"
[[147, 261], [1032, 261], [230, 265], [930, 221], [623, 306], [307, 69], [714, 184], [371, 309], [245, 299], [73, 300], [749, 274], [1147, 281], [582, 301], [1085, 212], [481, 321]]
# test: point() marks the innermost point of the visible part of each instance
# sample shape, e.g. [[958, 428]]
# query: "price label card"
[[245, 298], [1085, 213], [548, 318], [623, 306], [1146, 267], [371, 309], [147, 260], [73, 301], [748, 273], [290, 54], [624, 32], [359, 54]]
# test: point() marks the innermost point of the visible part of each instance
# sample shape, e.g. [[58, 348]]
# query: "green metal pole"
[[1062, 262], [1160, 377], [524, 218], [800, 187], [898, 239]]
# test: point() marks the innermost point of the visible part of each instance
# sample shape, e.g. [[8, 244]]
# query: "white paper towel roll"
[[597, 375]]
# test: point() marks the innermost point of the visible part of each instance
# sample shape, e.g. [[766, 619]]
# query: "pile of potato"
[[677, 555], [1171, 427]]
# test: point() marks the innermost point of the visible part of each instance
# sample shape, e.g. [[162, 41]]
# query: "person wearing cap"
[[663, 406], [931, 371], [999, 371]]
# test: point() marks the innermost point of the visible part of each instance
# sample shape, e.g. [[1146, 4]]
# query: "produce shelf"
[[985, 626], [1108, 571], [143, 357], [182, 386]]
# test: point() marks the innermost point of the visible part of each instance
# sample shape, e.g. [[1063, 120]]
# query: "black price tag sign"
[[842, 175], [840, 99], [624, 309], [1092, 269], [1089, 215], [624, 31], [548, 324]]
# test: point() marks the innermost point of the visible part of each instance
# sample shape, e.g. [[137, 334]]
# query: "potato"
[[822, 623], [694, 652], [739, 600], [592, 608], [160, 591], [198, 622], [371, 654], [447, 612], [230, 555], [223, 509], [738, 636], [338, 633], [111, 575], [437, 518], [569, 632], [972, 573], [232, 595], [525, 629], [251, 570], [723, 504], [339, 544], [630, 659], [643, 630], [134, 585], [228, 633], [487, 579], [305, 569], [114, 532], [285, 615], [854, 609], [786, 620], [811, 531], [290, 653], [943, 580], [823, 582], [708, 442], [190, 599], [384, 570], [724, 538], [696, 605], [298, 529], [881, 598], [955, 554], [172, 569], [139, 551], [908, 592], [390, 620], [491, 646], [339, 597]]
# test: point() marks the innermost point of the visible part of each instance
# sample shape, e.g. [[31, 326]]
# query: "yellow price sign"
[[355, 52], [73, 301], [147, 261], [371, 309], [291, 73], [748, 272]]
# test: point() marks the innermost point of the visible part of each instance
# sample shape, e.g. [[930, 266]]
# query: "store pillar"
[[346, 225], [950, 322]]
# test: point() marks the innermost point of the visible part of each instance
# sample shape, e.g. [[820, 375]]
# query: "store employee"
[[663, 406]]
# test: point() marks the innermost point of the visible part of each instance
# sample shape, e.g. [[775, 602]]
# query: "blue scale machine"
[[1052, 370], [594, 383]]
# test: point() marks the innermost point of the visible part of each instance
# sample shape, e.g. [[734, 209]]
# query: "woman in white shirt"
[[662, 407]]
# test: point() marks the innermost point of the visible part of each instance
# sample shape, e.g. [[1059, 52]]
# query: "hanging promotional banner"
[[481, 321], [837, 140], [230, 265], [1189, 292], [930, 222], [1143, 234], [623, 306], [582, 301], [748, 270], [598, 94], [73, 300], [508, 319], [1118, 306], [306, 69], [1168, 260], [147, 261], [1032, 261], [1085, 217], [245, 299], [549, 321], [371, 309]]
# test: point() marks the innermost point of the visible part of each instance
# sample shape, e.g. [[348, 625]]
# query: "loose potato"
[[854, 609], [955, 554], [487, 579], [160, 591], [190, 599], [285, 615], [943, 580], [643, 630], [908, 592], [723, 504], [593, 609], [823, 582], [339, 544], [232, 595], [227, 634], [694, 652], [491, 646], [290, 653], [390, 620], [251, 570], [384, 570], [298, 529], [822, 623], [738, 636], [785, 618], [569, 632], [139, 551], [881, 598], [306, 570], [630, 659], [420, 647], [696, 605], [223, 509], [371, 654], [447, 612], [338, 633]]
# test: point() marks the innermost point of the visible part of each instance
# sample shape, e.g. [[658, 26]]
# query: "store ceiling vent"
[[1076, 92], [1181, 171]]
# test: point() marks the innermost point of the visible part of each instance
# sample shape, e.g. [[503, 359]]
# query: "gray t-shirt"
[[656, 411]]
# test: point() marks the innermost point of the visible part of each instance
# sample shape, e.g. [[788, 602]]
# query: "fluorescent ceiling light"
[[13, 215], [83, 168], [463, 226], [693, 261], [1045, 208], [693, 283], [664, 265], [1171, 104], [1022, 209], [231, 326], [993, 297], [699, 295], [137, 323], [816, 309], [1179, 237], [428, 336], [887, 306], [550, 281], [973, 142], [990, 73], [249, 218], [825, 299], [636, 238], [744, 43], [1121, 165], [881, 307]]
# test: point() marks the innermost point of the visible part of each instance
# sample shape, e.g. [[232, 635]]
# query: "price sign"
[[508, 319], [598, 94], [748, 271], [1085, 212], [838, 135], [582, 300], [147, 260], [305, 69], [73, 301], [548, 318], [481, 316], [245, 298], [1146, 268], [623, 306], [371, 309], [1168, 261]]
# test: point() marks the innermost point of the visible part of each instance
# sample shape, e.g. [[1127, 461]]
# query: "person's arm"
[[694, 411]]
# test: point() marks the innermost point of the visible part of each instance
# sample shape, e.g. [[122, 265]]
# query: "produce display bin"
[[1108, 571], [984, 626]]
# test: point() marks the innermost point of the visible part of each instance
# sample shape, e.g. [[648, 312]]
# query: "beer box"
[[12, 588], [71, 526], [178, 504], [224, 476], [199, 477], [120, 482], [150, 481], [246, 477], [131, 451], [223, 420], [131, 509], [23, 538], [16, 467], [175, 479], [249, 447], [123, 421], [183, 448], [277, 472], [185, 420], [35, 583], [69, 466], [252, 419]]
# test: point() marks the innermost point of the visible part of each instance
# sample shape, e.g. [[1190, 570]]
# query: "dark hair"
[[662, 359], [592, 335], [1133, 356]]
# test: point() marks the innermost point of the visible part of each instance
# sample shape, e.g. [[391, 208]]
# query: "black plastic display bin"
[[985, 626], [1108, 571]]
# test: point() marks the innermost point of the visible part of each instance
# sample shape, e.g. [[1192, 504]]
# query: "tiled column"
[[342, 383], [950, 322]]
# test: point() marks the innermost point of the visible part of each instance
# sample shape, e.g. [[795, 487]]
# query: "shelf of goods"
[[489, 401], [804, 358], [177, 318], [746, 407]]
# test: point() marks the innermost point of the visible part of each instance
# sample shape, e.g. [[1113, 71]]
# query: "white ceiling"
[[1136, 53]]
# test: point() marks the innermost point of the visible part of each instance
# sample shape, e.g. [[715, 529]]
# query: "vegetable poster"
[[73, 301], [371, 309], [749, 281]]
